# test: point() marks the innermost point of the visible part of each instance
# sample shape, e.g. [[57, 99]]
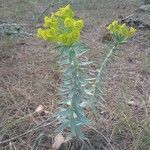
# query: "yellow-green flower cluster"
[[120, 31], [61, 27]]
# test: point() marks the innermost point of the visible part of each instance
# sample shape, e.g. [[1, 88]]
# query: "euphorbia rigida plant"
[[76, 90], [120, 34]]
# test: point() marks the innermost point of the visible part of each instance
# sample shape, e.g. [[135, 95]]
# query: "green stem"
[[75, 117], [74, 68], [99, 78]]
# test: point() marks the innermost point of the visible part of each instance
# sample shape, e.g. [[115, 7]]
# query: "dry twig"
[[41, 125]]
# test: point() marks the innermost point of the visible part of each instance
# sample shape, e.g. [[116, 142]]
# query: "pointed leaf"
[[71, 55]]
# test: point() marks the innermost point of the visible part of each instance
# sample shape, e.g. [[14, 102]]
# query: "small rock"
[[40, 109], [132, 103], [145, 8], [58, 140]]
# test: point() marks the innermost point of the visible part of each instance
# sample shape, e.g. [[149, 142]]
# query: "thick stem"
[[74, 73], [74, 113]]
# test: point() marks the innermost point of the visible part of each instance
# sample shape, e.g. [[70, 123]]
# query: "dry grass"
[[29, 77]]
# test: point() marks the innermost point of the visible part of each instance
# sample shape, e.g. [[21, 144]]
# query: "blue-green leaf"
[[71, 55]]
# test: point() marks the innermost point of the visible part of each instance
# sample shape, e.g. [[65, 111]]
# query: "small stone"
[[132, 103], [40, 109], [58, 140], [145, 8]]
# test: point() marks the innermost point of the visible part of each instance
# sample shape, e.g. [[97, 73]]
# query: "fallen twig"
[[29, 131]]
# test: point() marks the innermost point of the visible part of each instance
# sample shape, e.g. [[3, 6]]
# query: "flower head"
[[79, 24], [61, 27], [132, 31], [68, 22], [120, 31], [63, 38]]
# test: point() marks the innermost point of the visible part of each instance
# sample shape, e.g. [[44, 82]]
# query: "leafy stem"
[[101, 70], [74, 92]]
